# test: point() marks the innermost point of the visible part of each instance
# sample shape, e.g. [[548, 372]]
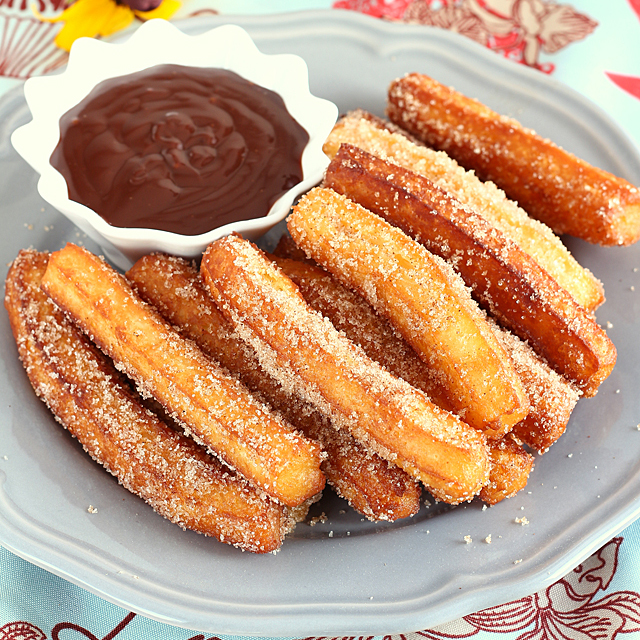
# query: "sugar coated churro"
[[551, 184], [352, 314], [422, 297], [212, 406], [91, 399], [551, 397], [373, 486], [505, 279], [510, 469], [311, 358], [373, 135]]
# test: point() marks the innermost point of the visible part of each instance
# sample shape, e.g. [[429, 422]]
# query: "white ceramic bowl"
[[159, 42]]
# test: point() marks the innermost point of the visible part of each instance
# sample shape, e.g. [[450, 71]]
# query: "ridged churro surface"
[[373, 486], [213, 407], [505, 279], [422, 297], [551, 397], [510, 469], [351, 313], [90, 398], [311, 358], [369, 133], [551, 184]]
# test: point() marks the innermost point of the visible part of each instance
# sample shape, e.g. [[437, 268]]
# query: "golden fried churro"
[[510, 469], [551, 397], [422, 297], [369, 133], [312, 358], [353, 315], [503, 278], [212, 406], [374, 487], [551, 184], [91, 399], [350, 313]]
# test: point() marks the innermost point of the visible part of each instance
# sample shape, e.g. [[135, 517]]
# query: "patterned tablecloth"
[[592, 46]]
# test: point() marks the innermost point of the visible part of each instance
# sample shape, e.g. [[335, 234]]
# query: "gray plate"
[[346, 576]]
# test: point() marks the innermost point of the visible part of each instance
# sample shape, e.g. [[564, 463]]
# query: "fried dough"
[[551, 397], [422, 297], [211, 405], [373, 486], [510, 469], [551, 184], [371, 134], [311, 358], [354, 316], [503, 278], [90, 398]]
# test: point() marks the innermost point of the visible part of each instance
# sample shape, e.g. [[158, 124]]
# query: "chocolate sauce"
[[182, 149]]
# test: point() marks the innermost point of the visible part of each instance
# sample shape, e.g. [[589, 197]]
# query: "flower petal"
[[84, 8], [120, 17], [87, 26]]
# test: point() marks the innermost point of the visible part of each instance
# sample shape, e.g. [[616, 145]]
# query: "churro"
[[551, 184], [373, 486], [422, 297], [92, 400], [371, 134], [551, 397], [510, 469], [354, 316], [212, 406], [503, 278], [311, 358]]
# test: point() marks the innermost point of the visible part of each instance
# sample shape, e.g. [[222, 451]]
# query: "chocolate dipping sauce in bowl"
[[169, 141]]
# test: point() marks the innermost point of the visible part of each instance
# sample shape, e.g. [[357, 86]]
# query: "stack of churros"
[[352, 314], [386, 141], [376, 488], [91, 399], [212, 406], [551, 184], [416, 328], [503, 277], [312, 359]]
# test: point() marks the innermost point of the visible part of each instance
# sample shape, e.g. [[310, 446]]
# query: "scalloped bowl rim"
[[160, 42]]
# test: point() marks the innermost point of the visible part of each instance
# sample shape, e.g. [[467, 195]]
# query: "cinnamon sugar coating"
[[352, 314], [502, 277], [551, 184], [373, 486], [311, 358], [511, 466], [389, 142], [551, 397], [422, 297], [92, 400], [209, 404]]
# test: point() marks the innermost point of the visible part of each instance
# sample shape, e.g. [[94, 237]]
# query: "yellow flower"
[[102, 18]]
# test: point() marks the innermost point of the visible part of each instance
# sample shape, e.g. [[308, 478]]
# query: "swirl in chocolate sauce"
[[181, 149]]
